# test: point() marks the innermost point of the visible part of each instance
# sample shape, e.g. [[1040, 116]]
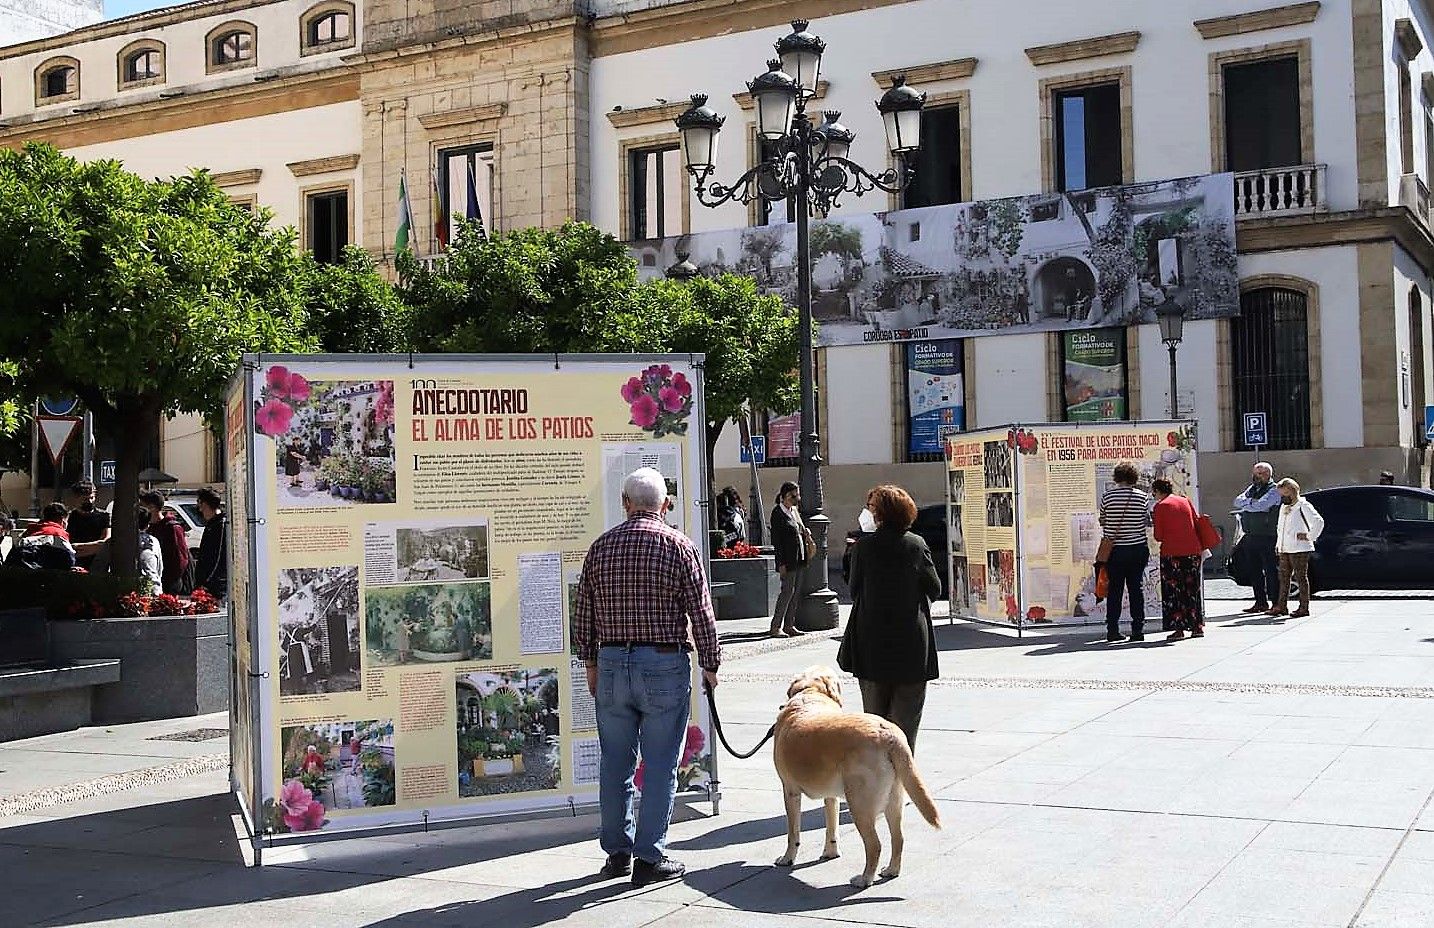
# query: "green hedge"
[[64, 594]]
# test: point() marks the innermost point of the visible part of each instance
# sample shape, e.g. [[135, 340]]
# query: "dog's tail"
[[911, 781]]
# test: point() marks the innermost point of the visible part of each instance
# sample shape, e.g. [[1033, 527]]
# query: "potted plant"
[[756, 584]]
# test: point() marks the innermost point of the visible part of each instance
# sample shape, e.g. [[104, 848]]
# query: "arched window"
[[141, 63], [57, 81], [232, 45], [1270, 364], [327, 27]]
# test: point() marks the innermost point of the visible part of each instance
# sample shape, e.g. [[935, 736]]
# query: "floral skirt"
[[1184, 608]]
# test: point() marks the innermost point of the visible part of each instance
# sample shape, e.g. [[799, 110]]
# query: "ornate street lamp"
[[809, 166], [1171, 318]]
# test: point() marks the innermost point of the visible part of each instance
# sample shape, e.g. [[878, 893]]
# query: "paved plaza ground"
[[1270, 775]]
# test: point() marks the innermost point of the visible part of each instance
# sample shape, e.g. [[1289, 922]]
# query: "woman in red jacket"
[[1180, 556]]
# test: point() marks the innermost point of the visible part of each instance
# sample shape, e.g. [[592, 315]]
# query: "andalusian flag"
[[440, 221], [401, 241]]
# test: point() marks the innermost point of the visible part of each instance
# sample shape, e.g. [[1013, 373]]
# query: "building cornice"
[[328, 165], [133, 25], [472, 114], [1295, 14], [1379, 224], [389, 50], [705, 19], [201, 108], [1407, 37], [245, 178], [647, 115], [954, 70], [1097, 47]]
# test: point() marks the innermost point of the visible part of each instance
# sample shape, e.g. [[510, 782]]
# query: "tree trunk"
[[714, 431], [136, 430]]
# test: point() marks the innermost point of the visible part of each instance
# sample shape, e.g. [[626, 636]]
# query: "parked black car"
[[1375, 537], [930, 524]]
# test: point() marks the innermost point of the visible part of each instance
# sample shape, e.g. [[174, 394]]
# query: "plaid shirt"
[[642, 581]]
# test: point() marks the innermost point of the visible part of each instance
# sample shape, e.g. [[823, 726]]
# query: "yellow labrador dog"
[[829, 754]]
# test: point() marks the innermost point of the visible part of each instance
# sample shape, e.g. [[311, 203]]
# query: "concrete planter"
[[169, 667], [757, 586]]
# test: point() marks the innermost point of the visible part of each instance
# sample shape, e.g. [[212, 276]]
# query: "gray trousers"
[[784, 613], [898, 703]]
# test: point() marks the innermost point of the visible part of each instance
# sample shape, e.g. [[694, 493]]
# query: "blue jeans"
[[644, 697]]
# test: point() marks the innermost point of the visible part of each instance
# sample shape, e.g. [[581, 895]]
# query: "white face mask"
[[867, 521]]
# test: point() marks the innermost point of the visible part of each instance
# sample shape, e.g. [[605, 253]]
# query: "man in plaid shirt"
[[642, 583]]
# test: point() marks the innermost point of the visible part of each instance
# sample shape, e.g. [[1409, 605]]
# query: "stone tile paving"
[[1268, 776]]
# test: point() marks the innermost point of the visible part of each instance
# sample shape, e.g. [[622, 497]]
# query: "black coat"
[[787, 542], [211, 570], [889, 638]]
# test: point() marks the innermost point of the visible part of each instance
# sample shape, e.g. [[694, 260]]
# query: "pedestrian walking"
[[1258, 507], [1181, 599], [889, 644], [790, 541], [1125, 521], [1299, 527], [643, 601]]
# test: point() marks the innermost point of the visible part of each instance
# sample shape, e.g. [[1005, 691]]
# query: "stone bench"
[[41, 701]]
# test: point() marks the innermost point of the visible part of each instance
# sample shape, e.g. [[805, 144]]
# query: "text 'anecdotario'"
[[488, 414]]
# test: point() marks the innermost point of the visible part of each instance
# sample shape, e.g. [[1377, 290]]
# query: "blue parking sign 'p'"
[[1256, 429], [1429, 423]]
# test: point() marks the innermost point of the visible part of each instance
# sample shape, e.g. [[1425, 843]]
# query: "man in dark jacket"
[[173, 545], [46, 544], [1259, 508], [211, 569], [889, 644]]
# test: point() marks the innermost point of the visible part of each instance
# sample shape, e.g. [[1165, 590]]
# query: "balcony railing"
[[1291, 191]]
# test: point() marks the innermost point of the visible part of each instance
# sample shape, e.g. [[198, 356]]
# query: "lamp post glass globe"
[[801, 56], [832, 139], [698, 127], [900, 109], [1171, 318], [775, 95]]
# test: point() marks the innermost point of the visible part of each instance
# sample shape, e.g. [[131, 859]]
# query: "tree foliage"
[[532, 290], [353, 308], [136, 296]]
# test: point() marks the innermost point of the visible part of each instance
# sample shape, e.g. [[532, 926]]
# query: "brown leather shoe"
[[1256, 608], [1278, 610], [1300, 614]]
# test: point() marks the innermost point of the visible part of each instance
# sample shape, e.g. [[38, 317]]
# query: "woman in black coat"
[[789, 543], [889, 644]]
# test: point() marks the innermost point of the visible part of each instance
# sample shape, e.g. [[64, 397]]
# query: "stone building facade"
[[552, 105]]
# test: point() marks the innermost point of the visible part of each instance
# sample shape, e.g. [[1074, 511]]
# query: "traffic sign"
[[107, 473], [1257, 433], [58, 405], [758, 452], [56, 431]]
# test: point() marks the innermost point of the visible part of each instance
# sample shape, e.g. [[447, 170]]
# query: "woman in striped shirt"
[[1125, 519]]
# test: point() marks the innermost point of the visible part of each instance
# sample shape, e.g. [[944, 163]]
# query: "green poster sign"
[[1094, 375]]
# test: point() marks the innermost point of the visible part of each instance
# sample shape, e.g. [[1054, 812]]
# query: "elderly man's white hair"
[[645, 488], [1266, 468]]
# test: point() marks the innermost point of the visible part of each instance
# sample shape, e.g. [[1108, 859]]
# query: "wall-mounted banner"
[[1094, 374], [1105, 257], [935, 393], [408, 542], [1030, 560]]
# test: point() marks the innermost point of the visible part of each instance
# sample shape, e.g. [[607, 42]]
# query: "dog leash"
[[717, 724]]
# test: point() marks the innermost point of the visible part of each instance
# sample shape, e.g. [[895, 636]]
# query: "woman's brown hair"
[[892, 506], [1125, 473]]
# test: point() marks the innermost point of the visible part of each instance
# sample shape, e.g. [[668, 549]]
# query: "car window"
[[1404, 508], [192, 511]]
